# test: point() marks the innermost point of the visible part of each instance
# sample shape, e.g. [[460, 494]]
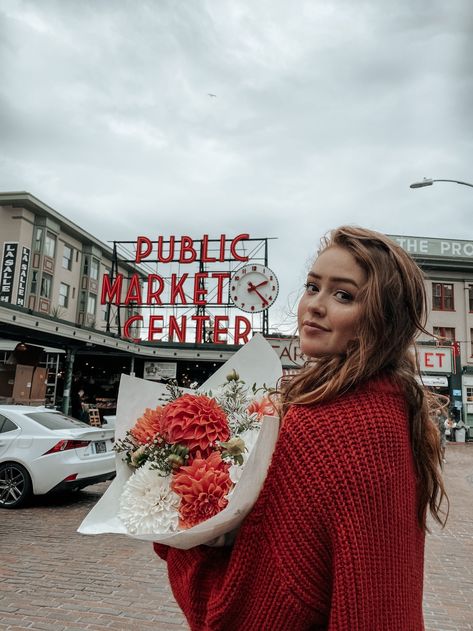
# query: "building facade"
[[52, 266], [448, 268]]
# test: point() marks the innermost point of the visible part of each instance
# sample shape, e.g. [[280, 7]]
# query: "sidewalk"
[[448, 590]]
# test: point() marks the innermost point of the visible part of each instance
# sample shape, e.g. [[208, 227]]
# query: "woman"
[[335, 540]]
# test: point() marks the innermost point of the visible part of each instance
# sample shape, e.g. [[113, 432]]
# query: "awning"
[[10, 345]]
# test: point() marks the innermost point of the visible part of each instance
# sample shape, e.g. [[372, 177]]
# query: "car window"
[[6, 425], [55, 420]]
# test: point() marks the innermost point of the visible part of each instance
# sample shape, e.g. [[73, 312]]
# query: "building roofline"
[[23, 199], [413, 236]]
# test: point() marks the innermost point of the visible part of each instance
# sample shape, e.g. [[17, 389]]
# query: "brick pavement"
[[53, 579]]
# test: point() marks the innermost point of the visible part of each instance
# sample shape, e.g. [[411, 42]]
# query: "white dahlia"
[[147, 504]]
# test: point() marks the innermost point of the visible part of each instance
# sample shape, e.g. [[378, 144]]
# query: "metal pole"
[[70, 356], [132, 366]]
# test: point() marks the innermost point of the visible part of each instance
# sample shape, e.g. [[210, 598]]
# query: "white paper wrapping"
[[256, 362]]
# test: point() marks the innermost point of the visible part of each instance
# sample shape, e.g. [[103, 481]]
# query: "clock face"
[[253, 288]]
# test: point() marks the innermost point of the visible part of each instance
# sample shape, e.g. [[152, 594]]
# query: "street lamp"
[[429, 182]]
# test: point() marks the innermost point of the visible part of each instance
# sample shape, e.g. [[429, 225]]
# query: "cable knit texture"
[[332, 542]]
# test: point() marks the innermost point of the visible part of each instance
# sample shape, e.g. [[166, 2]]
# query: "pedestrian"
[[441, 419], [335, 540]]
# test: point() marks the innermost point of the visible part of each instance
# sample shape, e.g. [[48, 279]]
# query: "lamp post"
[[429, 182]]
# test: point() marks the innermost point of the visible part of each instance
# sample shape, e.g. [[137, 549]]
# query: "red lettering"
[[160, 256], [220, 330], [427, 357], [154, 294], [140, 254], [220, 276], [109, 292], [199, 326], [128, 324], [177, 288], [223, 240], [234, 253], [174, 328], [242, 336], [441, 358], [204, 251], [199, 288], [152, 328], [134, 291], [187, 247]]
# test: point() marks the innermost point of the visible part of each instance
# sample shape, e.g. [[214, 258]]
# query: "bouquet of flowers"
[[191, 463]]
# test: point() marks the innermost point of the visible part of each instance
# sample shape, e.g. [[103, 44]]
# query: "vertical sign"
[[8, 271], [23, 277]]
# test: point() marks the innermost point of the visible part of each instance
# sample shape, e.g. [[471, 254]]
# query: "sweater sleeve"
[[332, 541]]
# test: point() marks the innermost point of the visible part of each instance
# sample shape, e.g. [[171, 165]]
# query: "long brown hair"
[[394, 312]]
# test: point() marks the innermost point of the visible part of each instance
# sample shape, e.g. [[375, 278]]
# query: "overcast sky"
[[325, 112]]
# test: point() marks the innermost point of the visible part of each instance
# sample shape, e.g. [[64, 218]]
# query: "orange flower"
[[195, 421], [262, 408], [148, 425], [202, 487]]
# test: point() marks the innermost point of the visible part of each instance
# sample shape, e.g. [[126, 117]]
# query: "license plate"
[[100, 447]]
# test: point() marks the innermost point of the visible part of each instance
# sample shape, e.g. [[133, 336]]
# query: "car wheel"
[[15, 485]]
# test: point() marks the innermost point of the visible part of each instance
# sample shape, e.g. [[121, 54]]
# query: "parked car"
[[42, 450]]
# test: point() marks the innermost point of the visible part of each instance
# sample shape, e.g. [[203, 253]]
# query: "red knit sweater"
[[332, 542]]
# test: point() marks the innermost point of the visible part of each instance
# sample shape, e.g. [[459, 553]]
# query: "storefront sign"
[[435, 359], [434, 381], [160, 370], [23, 277], [435, 247], [8, 271], [201, 283], [288, 350]]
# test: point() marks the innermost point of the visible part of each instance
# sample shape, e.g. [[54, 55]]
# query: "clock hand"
[[252, 287], [265, 282]]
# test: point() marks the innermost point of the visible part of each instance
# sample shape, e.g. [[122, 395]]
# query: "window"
[[50, 244], [38, 239], [64, 295], [469, 394], [55, 420], [34, 282], [82, 301], [471, 342], [67, 257], [91, 304], [46, 286], [442, 296], [445, 333], [6, 425], [94, 269], [470, 297]]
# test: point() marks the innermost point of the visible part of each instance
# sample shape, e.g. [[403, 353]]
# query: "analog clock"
[[253, 288]]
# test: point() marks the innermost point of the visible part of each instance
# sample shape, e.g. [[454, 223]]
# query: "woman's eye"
[[311, 288], [343, 295]]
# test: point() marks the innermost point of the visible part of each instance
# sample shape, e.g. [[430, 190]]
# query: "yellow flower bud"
[[234, 447]]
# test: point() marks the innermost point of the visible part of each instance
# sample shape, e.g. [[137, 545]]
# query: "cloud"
[[324, 113]]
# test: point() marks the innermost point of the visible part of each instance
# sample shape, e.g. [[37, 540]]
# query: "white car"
[[42, 450]]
